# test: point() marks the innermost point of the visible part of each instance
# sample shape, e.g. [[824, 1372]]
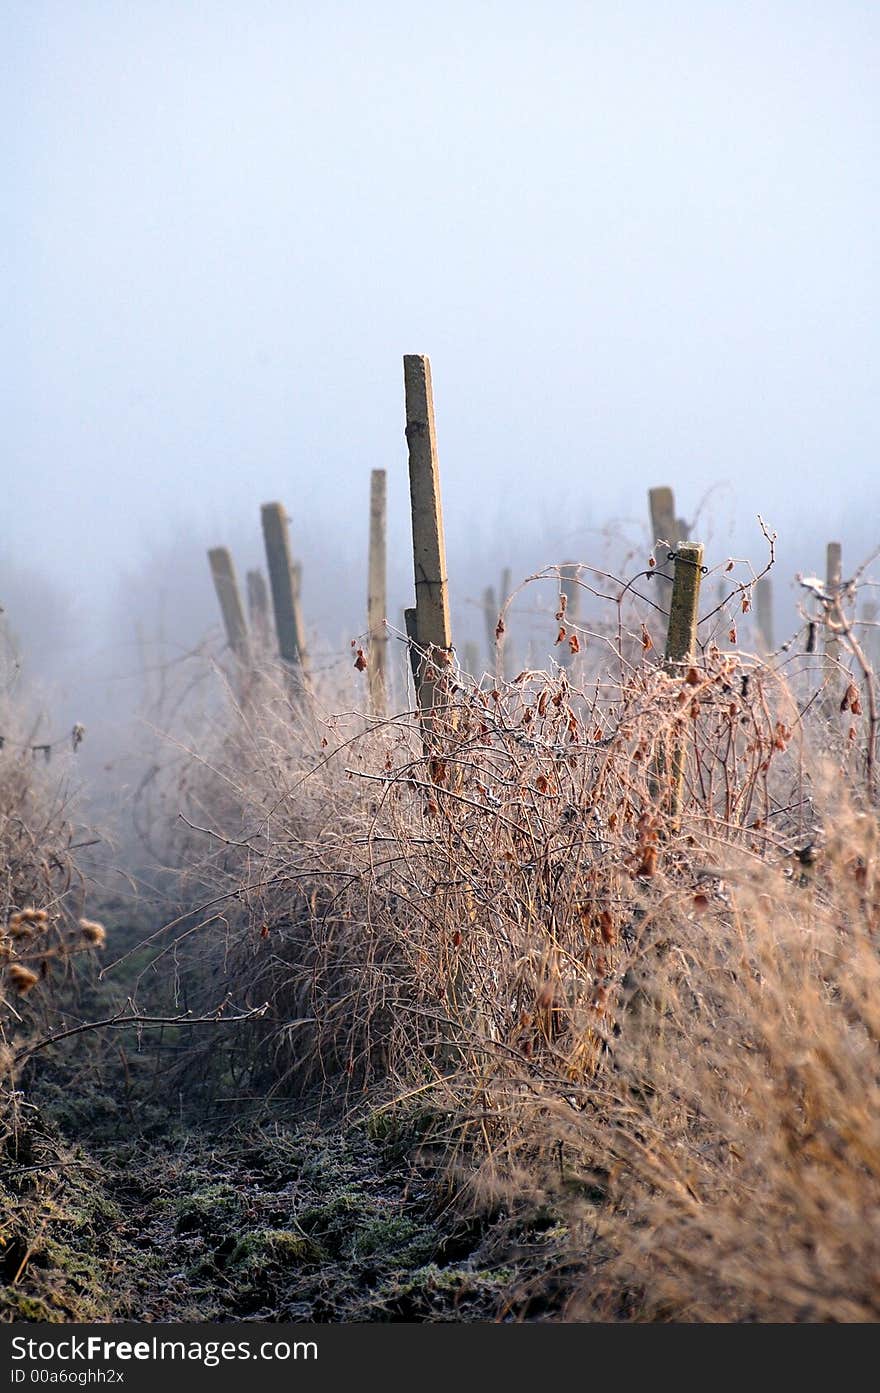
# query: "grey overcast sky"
[[638, 240]]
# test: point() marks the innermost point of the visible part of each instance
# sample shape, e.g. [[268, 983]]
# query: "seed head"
[[93, 932], [22, 978]]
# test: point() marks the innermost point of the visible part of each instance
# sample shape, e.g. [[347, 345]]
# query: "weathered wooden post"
[[226, 585], [497, 647], [376, 593], [681, 642], [258, 606], [665, 527], [568, 586], [664, 524], [285, 601], [832, 614], [764, 612], [681, 634], [402, 628], [412, 633], [433, 633]]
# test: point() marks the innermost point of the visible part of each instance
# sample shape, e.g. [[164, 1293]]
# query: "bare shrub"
[[41, 897], [666, 1024]]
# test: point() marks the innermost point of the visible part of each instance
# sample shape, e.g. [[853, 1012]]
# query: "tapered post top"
[[429, 547]]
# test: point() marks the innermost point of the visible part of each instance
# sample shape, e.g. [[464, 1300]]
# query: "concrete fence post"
[[433, 634], [568, 586], [681, 642], [258, 606], [377, 593], [285, 600], [833, 561], [764, 615], [229, 596]]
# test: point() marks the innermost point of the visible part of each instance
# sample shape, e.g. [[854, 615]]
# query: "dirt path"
[[118, 1205], [266, 1223]]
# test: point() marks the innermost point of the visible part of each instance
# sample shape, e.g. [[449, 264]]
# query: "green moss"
[[334, 1222], [442, 1293], [265, 1223], [205, 1207], [16, 1305], [265, 1249], [395, 1239]]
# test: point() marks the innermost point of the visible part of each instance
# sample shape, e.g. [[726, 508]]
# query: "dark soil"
[[276, 1224], [137, 1188]]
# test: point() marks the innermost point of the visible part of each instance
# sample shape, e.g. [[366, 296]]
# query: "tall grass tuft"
[[666, 1027]]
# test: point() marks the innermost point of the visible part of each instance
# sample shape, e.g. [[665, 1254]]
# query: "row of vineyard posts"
[[428, 625]]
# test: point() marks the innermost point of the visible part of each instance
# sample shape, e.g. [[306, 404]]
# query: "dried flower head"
[[26, 921], [22, 978], [93, 932]]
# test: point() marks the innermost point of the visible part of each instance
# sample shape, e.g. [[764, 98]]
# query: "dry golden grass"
[[740, 1122], [668, 1029], [40, 891]]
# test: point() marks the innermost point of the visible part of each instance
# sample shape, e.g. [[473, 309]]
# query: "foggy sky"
[[638, 241]]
